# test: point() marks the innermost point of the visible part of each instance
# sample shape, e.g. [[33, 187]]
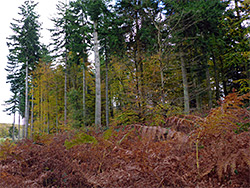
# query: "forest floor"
[[187, 151]]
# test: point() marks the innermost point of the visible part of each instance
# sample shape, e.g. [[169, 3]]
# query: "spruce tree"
[[24, 53], [79, 44], [95, 11], [71, 40], [60, 37]]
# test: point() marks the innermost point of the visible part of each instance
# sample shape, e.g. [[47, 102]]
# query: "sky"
[[9, 10]]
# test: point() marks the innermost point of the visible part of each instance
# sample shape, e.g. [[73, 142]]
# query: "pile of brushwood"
[[188, 151]]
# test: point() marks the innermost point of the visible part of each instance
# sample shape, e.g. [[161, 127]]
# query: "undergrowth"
[[187, 151]]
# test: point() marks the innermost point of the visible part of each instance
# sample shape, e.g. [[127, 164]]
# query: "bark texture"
[[97, 79]]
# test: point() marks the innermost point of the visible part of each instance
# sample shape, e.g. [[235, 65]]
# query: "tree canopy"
[[152, 59]]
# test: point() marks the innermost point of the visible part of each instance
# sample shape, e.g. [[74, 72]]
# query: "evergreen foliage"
[[24, 53]]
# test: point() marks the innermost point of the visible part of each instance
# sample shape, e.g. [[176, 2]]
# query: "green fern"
[[81, 138], [6, 149], [108, 134]]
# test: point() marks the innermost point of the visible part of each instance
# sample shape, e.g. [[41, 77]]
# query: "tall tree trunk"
[[84, 92], [107, 94], [23, 131], [111, 109], [137, 83], [32, 111], [19, 119], [162, 84], [142, 90], [210, 104], [56, 109], [197, 93], [209, 91], [26, 101], [13, 130], [224, 81], [98, 79], [65, 91], [159, 39], [185, 85], [137, 63], [216, 77], [83, 75], [48, 122], [41, 110]]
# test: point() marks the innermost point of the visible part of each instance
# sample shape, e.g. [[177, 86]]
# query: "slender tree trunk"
[[84, 92], [98, 79], [13, 130], [19, 119], [19, 116], [107, 94], [137, 83], [65, 91], [162, 84], [142, 90], [196, 92], [159, 39], [216, 77], [185, 85], [44, 113], [23, 131], [26, 101], [32, 111], [111, 109], [248, 76], [83, 76], [224, 81], [137, 64], [209, 91], [48, 118], [56, 110], [41, 110], [210, 104]]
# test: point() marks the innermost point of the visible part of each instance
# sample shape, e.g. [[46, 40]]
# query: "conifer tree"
[[140, 39], [60, 37], [24, 48], [234, 56], [191, 24], [79, 44], [95, 11], [110, 38], [72, 33]]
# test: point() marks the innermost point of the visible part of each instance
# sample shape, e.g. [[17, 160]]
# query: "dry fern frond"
[[228, 164], [183, 124], [154, 133], [149, 133], [227, 117], [224, 150]]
